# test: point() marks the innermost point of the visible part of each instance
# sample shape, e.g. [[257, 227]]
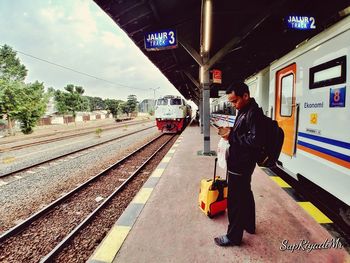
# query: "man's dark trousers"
[[240, 206]]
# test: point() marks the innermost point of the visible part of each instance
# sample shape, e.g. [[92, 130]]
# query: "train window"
[[175, 101], [329, 73], [162, 102], [287, 95]]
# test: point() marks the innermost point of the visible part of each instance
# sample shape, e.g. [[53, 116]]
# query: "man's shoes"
[[250, 231], [223, 241]]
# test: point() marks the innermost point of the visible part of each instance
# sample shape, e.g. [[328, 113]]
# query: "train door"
[[285, 106]]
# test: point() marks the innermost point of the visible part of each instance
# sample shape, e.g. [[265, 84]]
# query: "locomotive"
[[172, 114]]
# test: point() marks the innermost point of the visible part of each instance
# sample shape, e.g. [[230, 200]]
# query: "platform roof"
[[257, 31]]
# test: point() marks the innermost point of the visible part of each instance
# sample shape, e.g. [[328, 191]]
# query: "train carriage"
[[310, 102], [307, 92]]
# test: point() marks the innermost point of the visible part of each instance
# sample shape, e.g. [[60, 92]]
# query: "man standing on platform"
[[245, 138]]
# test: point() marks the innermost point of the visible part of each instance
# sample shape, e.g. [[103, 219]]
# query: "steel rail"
[[20, 227], [91, 130], [59, 132], [60, 246], [70, 153]]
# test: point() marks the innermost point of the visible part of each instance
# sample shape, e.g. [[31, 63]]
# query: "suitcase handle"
[[216, 160]]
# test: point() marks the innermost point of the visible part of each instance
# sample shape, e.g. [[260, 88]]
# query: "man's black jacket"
[[246, 139]]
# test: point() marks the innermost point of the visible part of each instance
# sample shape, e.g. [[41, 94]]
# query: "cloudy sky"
[[78, 35]]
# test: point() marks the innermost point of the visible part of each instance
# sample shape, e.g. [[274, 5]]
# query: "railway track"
[[89, 131], [43, 235], [3, 175]]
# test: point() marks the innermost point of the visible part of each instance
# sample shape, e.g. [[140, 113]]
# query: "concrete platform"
[[171, 227]]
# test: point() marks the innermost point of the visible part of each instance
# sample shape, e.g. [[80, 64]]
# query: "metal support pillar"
[[204, 75], [201, 110], [206, 113]]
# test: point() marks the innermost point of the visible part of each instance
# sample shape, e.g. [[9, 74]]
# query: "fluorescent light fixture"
[[207, 24], [201, 74]]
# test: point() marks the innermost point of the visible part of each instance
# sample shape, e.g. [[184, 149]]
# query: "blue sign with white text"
[[337, 97], [165, 39], [301, 22]]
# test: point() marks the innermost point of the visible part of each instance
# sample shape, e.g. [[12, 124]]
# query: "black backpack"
[[273, 141]]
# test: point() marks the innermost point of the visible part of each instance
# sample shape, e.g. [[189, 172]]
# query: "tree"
[[12, 74], [60, 99], [10, 66], [11, 98], [130, 105], [51, 91], [113, 106], [70, 101], [33, 106], [85, 104], [96, 103]]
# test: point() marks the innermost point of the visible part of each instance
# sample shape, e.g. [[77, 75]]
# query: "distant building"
[[50, 107], [146, 105]]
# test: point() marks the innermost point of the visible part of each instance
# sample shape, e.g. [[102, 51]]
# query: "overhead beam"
[[194, 54], [167, 68], [139, 30], [194, 81], [122, 11], [136, 18], [154, 10], [192, 91], [245, 32], [182, 75]]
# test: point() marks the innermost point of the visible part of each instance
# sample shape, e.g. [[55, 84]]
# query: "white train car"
[[259, 88], [172, 114], [309, 98], [307, 92]]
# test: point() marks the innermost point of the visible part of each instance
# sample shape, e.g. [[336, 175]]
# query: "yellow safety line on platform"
[[157, 172], [111, 244], [142, 196], [166, 159], [280, 181], [315, 212]]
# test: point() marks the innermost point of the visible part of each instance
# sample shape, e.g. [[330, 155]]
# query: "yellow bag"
[[213, 195]]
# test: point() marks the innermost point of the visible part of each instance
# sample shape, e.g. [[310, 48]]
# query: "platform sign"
[[159, 40], [217, 76], [337, 97], [301, 22]]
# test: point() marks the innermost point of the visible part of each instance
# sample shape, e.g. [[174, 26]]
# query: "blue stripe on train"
[[325, 151], [345, 145]]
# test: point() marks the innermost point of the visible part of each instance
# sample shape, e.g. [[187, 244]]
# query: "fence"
[[44, 121]]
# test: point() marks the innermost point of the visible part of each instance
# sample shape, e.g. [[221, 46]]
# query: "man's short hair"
[[239, 88]]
